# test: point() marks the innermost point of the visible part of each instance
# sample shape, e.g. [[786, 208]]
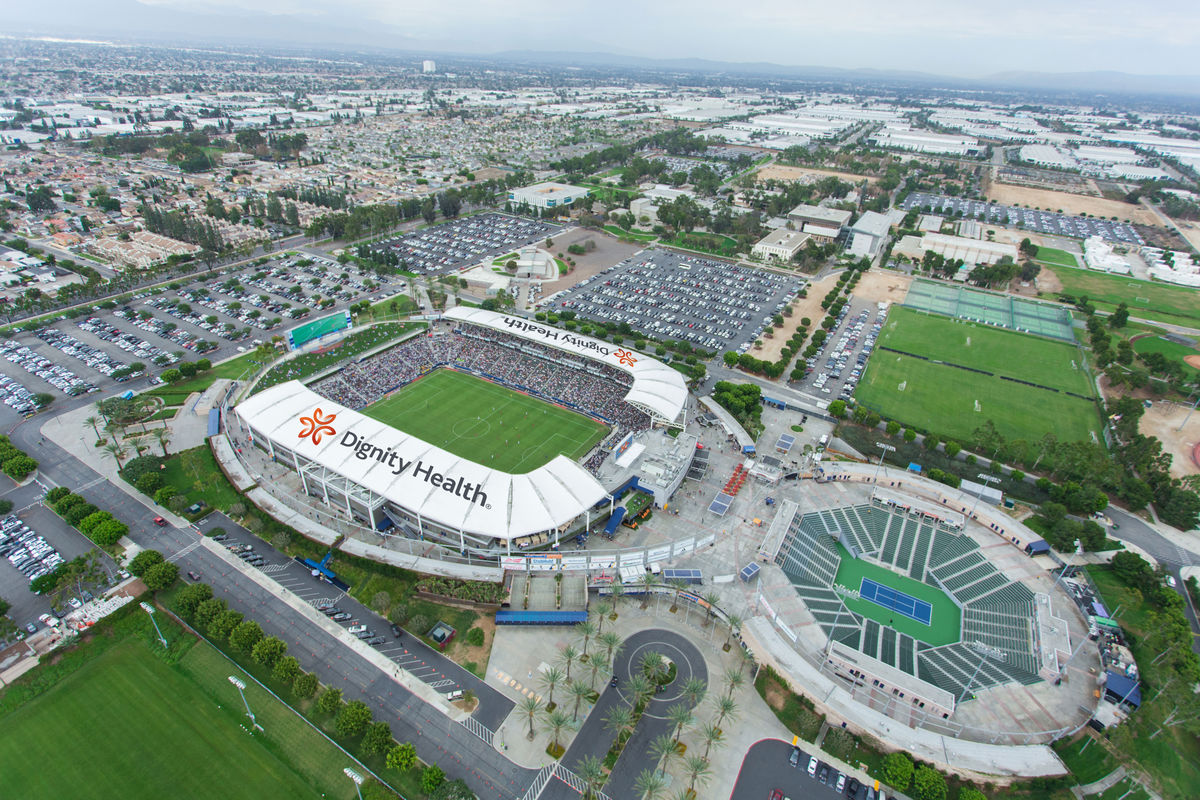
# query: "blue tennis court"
[[896, 601]]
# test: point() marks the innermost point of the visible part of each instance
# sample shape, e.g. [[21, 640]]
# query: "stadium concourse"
[[334, 436]]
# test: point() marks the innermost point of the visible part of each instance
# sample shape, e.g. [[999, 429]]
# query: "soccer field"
[[1147, 299], [996, 350], [129, 726], [486, 423], [953, 402], [945, 618]]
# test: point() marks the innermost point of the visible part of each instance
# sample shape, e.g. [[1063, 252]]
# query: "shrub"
[[160, 576], [928, 784], [144, 561], [420, 624], [149, 483], [475, 637], [305, 685], [6, 506], [898, 771], [353, 719], [56, 494], [432, 778], [164, 495], [18, 467]]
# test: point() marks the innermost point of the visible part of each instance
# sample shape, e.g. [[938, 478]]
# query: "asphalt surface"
[[766, 768]]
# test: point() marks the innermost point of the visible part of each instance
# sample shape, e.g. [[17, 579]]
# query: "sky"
[[949, 37]]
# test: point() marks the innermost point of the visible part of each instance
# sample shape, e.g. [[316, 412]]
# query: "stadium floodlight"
[[883, 450], [241, 687], [149, 609], [357, 778], [985, 652], [987, 480]]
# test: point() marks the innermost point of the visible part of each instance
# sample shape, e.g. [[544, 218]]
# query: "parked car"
[[341, 616], [160, 522]]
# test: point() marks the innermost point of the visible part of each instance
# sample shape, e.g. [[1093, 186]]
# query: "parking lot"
[[153, 330], [444, 248], [712, 304], [1031, 219], [773, 765], [838, 366]]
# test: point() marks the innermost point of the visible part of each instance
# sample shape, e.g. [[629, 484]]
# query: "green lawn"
[[1053, 257], [1003, 352], [637, 237], [1157, 344], [404, 305], [953, 402], [1145, 299], [231, 369], [194, 474], [486, 423], [945, 621], [1086, 758], [171, 732], [705, 242]]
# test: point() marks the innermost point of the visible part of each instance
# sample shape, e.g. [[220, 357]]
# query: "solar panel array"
[[785, 442], [721, 503]]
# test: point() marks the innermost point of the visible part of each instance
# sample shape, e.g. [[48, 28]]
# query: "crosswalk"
[[184, 551]]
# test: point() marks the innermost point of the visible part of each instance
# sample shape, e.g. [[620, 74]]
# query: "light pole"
[[149, 609], [358, 780], [985, 653], [987, 481], [883, 449], [241, 687]]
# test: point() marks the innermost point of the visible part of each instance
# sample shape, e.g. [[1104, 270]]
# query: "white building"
[[1099, 255], [868, 234], [823, 224], [780, 245], [428, 66], [1172, 266], [971, 251], [546, 196]]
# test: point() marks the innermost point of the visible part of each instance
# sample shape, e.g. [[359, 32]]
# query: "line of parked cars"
[[35, 364], [355, 627], [243, 551], [841, 351], [26, 550], [840, 783]]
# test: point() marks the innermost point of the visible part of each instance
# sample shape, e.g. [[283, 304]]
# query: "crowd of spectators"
[[593, 388]]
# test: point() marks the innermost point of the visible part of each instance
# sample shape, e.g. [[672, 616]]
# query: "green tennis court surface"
[[1001, 310], [946, 618], [485, 422]]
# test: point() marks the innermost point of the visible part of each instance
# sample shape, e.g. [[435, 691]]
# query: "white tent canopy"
[[441, 487], [656, 386]]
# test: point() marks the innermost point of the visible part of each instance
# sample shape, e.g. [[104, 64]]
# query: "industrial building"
[[971, 251], [546, 196], [823, 224], [868, 234]]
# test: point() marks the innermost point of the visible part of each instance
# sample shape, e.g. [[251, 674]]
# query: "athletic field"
[[945, 617], [996, 350], [485, 422], [1000, 310], [128, 725], [1158, 301]]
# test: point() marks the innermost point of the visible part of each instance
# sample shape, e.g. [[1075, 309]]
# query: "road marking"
[[184, 551]]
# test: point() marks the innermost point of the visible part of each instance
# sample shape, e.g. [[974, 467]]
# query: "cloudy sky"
[[952, 37]]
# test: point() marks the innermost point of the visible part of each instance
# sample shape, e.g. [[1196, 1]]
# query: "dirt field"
[[781, 173], [883, 287], [803, 307], [609, 250], [1191, 232], [1161, 420], [1192, 361], [1070, 203]]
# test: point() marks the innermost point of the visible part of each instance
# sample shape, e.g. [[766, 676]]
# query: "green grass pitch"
[[953, 402], [487, 423], [128, 725], [1003, 352], [1150, 300], [1056, 258], [945, 620]]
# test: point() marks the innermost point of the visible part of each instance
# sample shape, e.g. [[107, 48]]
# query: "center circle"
[[471, 428]]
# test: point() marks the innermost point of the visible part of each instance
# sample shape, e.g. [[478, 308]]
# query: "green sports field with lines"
[[945, 622], [486, 423]]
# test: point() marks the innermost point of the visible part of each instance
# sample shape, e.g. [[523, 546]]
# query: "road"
[[766, 768]]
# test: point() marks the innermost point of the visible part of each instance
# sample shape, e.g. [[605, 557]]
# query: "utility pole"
[[149, 609]]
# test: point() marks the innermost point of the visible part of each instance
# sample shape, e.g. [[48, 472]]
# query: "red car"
[[777, 794], [160, 522]]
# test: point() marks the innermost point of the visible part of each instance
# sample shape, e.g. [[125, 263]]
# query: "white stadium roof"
[[439, 486], [656, 386]]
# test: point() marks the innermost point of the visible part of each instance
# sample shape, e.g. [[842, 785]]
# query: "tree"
[[971, 793], [432, 778], [680, 715], [286, 669], [898, 771], [591, 772], [694, 690], [929, 784], [698, 769], [711, 734], [453, 790], [650, 784], [402, 757], [557, 720], [1120, 317], [569, 656], [305, 685], [735, 677], [223, 624], [144, 561], [586, 629], [377, 739], [352, 719], [94, 422], [663, 748], [726, 707], [603, 609], [551, 678], [246, 635], [610, 641], [529, 707], [837, 409], [190, 597], [160, 576], [268, 651], [578, 690], [208, 610]]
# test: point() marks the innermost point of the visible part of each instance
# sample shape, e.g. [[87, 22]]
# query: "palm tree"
[[552, 677], [578, 690], [647, 580], [711, 734], [680, 587], [713, 599], [650, 784], [640, 687], [530, 706], [94, 421], [163, 435], [694, 691], [591, 772], [680, 715], [603, 609], [735, 626], [698, 769], [652, 665], [726, 707], [569, 655], [734, 678], [619, 720], [557, 720], [587, 629], [117, 450], [663, 748], [610, 641], [618, 591]]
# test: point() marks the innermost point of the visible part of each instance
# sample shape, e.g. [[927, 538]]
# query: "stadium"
[[915, 618], [485, 433]]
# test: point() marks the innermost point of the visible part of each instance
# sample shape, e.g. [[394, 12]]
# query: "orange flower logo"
[[317, 425], [626, 357]]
